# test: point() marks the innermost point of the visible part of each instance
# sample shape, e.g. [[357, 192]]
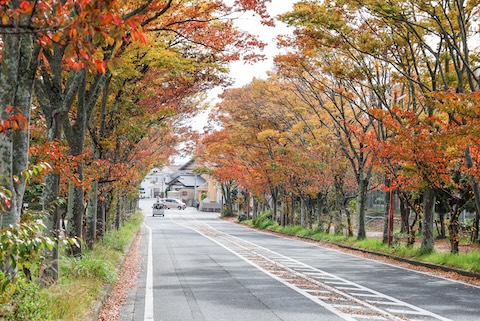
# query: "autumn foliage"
[[375, 96]]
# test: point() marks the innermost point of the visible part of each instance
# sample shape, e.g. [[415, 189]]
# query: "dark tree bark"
[[427, 221], [405, 216], [17, 73]]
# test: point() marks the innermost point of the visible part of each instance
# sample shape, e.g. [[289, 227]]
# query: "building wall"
[[212, 192], [154, 183]]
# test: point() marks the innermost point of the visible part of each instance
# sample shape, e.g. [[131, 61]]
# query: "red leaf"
[[25, 5]]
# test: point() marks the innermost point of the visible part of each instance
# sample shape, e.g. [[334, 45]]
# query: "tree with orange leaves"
[[175, 29], [78, 43]]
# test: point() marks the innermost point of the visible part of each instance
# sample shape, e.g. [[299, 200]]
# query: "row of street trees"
[[370, 94], [93, 94]]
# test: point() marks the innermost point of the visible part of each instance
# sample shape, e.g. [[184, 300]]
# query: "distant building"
[[187, 185], [210, 195], [182, 183], [155, 183]]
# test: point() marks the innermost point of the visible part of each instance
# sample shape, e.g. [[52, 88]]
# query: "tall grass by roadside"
[[465, 261], [81, 280]]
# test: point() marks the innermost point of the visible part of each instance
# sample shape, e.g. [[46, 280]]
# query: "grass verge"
[[465, 261], [81, 280]]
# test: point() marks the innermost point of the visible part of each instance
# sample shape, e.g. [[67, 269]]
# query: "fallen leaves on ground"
[[126, 280]]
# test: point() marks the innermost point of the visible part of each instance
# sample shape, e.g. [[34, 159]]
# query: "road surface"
[[197, 267]]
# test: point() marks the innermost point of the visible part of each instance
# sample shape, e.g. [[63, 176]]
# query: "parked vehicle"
[[158, 209], [174, 203]]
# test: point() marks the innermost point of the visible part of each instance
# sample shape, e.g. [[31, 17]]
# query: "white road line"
[[405, 311], [148, 316], [385, 302]]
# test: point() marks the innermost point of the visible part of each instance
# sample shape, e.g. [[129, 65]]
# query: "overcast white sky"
[[243, 73]]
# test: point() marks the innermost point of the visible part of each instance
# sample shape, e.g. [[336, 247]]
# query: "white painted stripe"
[[349, 306], [317, 291], [369, 317], [365, 295], [385, 303], [148, 316], [405, 311]]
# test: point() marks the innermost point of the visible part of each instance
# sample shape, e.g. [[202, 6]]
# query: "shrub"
[[261, 218], [20, 247], [89, 266], [25, 305]]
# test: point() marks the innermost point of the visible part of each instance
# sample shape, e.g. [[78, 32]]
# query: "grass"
[[464, 261], [467, 261], [81, 280]]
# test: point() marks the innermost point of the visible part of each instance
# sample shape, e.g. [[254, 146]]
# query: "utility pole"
[[163, 187], [195, 191]]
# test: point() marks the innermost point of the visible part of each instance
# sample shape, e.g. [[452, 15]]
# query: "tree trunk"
[[11, 216], [442, 233], [338, 225], [310, 210], [411, 234], [476, 193], [349, 222], [329, 223], [361, 206], [427, 221], [227, 194], [386, 216], [319, 211], [291, 220], [303, 221], [247, 204], [453, 229], [49, 272], [405, 215], [118, 212], [17, 73], [75, 135], [101, 220], [51, 193], [274, 192], [92, 214]]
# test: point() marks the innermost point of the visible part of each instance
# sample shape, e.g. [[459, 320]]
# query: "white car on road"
[[174, 203]]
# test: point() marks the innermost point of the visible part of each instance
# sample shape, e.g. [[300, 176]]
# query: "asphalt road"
[[200, 268]]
